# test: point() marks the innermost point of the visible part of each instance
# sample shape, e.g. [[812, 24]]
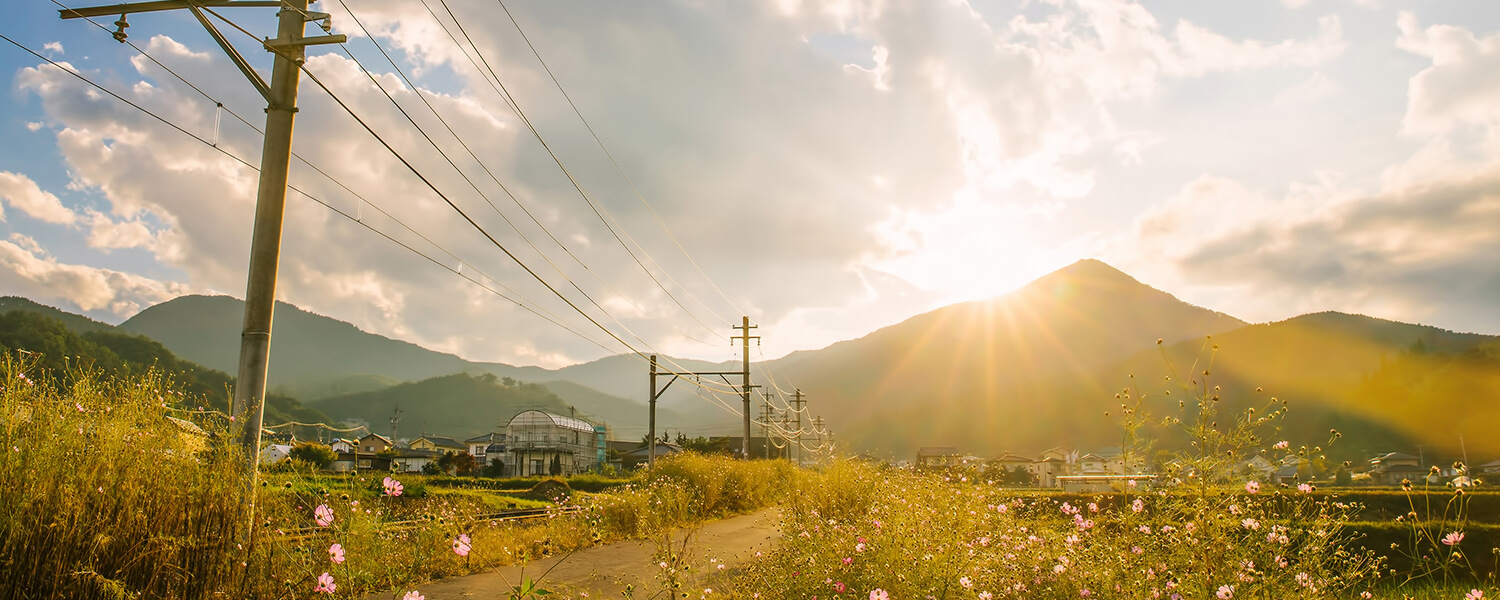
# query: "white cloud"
[[53, 47], [1462, 87], [1317, 87], [29, 271], [23, 194], [106, 233]]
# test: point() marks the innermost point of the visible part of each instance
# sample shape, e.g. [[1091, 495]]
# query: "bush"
[[313, 453]]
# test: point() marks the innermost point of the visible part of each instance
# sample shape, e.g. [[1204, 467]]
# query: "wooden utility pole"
[[745, 388], [248, 408]]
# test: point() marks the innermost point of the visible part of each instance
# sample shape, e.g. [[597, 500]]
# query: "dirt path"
[[604, 571]]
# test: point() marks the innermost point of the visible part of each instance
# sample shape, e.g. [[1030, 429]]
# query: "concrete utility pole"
[[289, 47], [745, 388]]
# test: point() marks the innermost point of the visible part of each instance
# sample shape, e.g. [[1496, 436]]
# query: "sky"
[[824, 168]]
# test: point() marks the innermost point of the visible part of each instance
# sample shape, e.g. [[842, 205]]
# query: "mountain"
[[57, 346], [978, 362], [459, 405], [315, 357], [75, 322], [305, 346]]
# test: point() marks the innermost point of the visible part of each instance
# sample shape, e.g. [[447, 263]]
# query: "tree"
[[1342, 476], [556, 465], [496, 468], [313, 453]]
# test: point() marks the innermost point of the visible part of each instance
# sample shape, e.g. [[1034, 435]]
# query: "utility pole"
[[651, 432], [765, 425], [797, 403], [289, 49], [745, 388]]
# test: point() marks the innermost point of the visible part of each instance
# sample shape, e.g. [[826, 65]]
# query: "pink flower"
[[1250, 524], [847, 561], [860, 547], [324, 515], [1304, 488], [393, 487], [986, 595], [1225, 592], [336, 553], [838, 586], [1138, 505], [966, 582], [1454, 538], [879, 594], [1282, 445], [1252, 486], [413, 595], [325, 584], [1473, 595], [461, 546]]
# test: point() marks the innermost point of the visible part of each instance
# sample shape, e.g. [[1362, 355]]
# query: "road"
[[604, 571]]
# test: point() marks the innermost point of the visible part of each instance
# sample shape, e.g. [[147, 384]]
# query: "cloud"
[[27, 270], [1461, 86], [23, 194], [53, 47], [1317, 87], [1417, 245], [768, 159]]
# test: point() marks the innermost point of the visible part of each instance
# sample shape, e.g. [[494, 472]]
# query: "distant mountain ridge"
[[1031, 369]]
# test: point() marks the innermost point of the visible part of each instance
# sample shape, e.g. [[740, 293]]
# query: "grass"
[[104, 496]]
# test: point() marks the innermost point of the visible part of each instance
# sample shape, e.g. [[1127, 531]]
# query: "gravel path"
[[604, 571]]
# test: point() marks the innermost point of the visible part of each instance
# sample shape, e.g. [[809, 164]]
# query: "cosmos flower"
[[325, 584], [336, 553], [324, 515]]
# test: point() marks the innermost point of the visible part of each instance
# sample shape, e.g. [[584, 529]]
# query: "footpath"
[[605, 571]]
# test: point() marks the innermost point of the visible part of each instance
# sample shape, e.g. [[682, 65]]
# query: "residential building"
[[938, 457], [637, 458], [342, 445], [437, 444], [487, 447], [411, 460], [1392, 468], [1488, 468], [374, 443], [541, 443], [275, 453]]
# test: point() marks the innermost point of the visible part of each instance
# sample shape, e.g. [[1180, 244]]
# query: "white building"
[[542, 443]]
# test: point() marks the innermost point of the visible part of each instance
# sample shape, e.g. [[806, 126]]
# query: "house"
[[1002, 468], [1093, 464], [193, 437], [635, 459], [1257, 468], [411, 460], [1488, 468], [487, 447], [374, 443], [1048, 469], [343, 446], [938, 457], [437, 444], [275, 453], [542, 443], [1064, 462], [1394, 467]]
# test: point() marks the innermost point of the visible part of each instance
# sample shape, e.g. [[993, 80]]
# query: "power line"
[[621, 171], [598, 211], [492, 175], [242, 161]]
